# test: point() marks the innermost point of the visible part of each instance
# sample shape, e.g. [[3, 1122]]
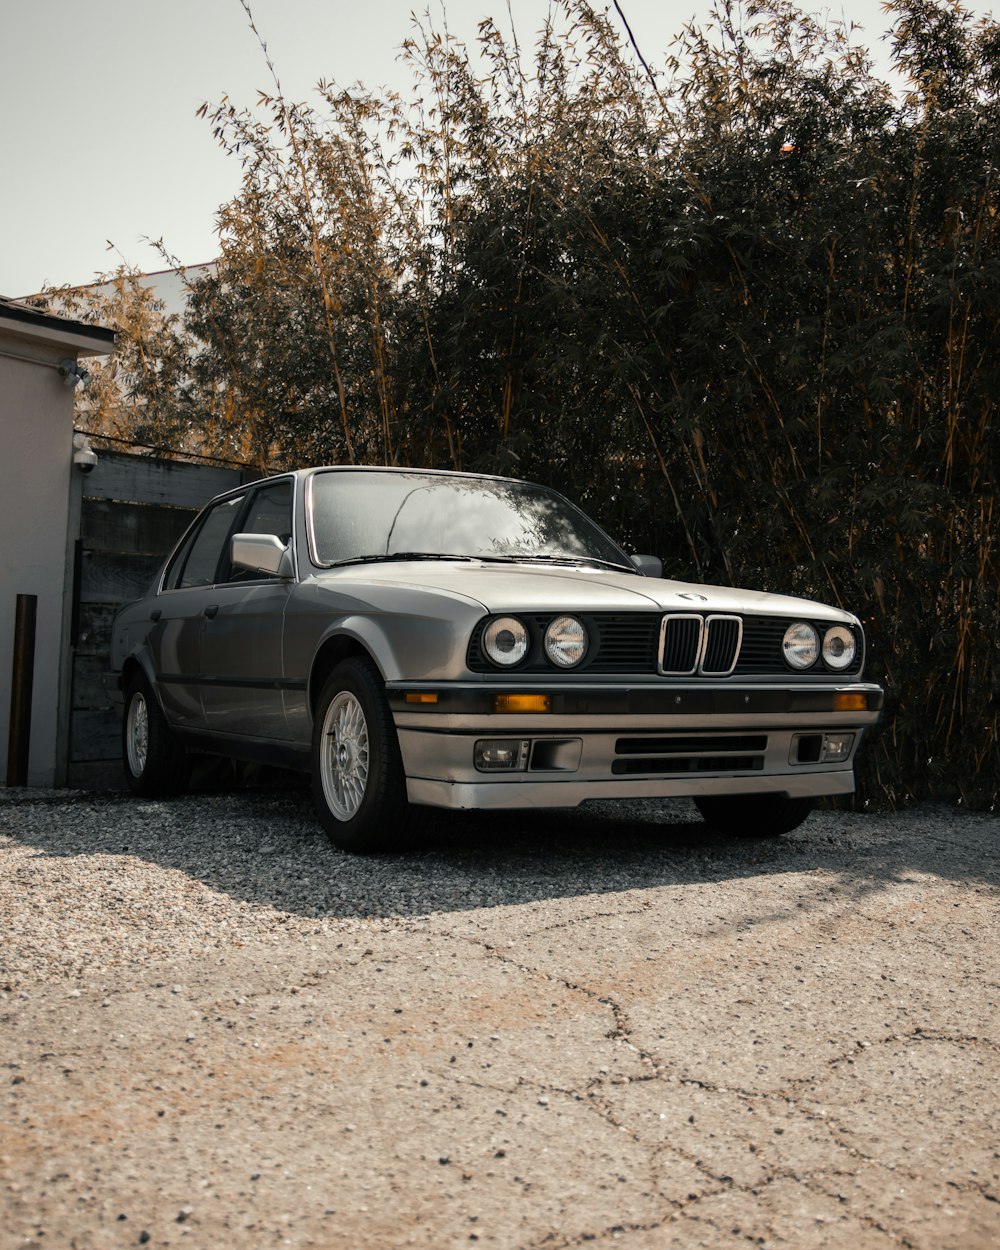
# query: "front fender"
[[409, 633], [404, 648]]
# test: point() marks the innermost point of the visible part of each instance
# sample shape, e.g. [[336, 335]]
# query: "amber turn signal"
[[421, 696], [522, 703], [850, 702]]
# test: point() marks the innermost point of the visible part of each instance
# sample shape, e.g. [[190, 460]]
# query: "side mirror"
[[648, 566], [263, 553]]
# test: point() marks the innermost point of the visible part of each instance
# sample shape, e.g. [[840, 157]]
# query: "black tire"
[[754, 815], [155, 762], [359, 786]]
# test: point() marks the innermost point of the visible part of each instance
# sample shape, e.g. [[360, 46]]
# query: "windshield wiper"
[[397, 555], [572, 561]]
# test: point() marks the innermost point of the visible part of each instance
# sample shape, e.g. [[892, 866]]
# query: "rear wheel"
[[754, 815], [358, 781], [155, 762]]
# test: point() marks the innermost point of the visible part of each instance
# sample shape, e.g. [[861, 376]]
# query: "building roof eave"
[[43, 327]]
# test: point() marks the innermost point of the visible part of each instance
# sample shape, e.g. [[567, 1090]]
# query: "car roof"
[[302, 474]]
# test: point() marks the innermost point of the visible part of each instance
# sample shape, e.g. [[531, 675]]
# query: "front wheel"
[[155, 762], [358, 782], [754, 815]]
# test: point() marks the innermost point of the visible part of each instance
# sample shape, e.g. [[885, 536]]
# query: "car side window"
[[201, 563], [269, 512], [177, 561]]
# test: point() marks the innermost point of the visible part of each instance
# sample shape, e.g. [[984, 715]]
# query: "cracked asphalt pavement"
[[602, 1028]]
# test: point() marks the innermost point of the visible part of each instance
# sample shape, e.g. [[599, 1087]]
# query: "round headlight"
[[800, 645], [505, 641], [566, 641], [839, 647]]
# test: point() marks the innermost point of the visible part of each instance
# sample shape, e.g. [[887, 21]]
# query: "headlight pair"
[[506, 641], [802, 647]]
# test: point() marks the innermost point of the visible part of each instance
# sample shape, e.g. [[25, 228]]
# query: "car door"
[[241, 664], [178, 615]]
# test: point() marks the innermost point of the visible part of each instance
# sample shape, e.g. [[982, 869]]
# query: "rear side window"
[[197, 565]]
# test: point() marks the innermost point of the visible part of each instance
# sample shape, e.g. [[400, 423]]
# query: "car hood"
[[543, 588]]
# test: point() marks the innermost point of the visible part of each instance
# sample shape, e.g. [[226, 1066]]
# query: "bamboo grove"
[[744, 305]]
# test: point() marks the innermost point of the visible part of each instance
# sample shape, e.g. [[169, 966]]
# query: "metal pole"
[[21, 685]]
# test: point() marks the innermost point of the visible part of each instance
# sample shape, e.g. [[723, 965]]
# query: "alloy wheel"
[[137, 735], [344, 761]]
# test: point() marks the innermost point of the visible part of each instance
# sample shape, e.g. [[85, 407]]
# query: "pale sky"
[[99, 138]]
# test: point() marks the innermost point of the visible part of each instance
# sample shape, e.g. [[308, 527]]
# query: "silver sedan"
[[420, 639]]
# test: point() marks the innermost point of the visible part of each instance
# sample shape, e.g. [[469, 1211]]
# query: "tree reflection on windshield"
[[364, 513]]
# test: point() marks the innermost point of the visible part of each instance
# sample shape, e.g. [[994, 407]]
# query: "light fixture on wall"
[[73, 373]]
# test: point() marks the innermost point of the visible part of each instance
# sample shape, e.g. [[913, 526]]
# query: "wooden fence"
[[133, 511]]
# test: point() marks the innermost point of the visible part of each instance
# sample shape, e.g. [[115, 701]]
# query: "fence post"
[[21, 686]]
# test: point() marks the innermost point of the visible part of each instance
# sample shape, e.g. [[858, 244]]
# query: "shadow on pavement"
[[265, 847]]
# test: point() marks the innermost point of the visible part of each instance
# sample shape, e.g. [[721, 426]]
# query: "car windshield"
[[363, 514]]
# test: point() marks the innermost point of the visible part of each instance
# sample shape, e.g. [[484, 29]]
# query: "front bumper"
[[630, 742]]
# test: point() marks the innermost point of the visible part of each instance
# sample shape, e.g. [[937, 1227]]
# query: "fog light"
[[837, 747], [495, 755]]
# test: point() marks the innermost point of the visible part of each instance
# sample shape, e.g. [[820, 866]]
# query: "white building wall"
[[170, 286], [39, 517], [36, 467]]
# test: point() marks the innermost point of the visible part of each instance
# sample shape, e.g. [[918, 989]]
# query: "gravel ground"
[[605, 1027]]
